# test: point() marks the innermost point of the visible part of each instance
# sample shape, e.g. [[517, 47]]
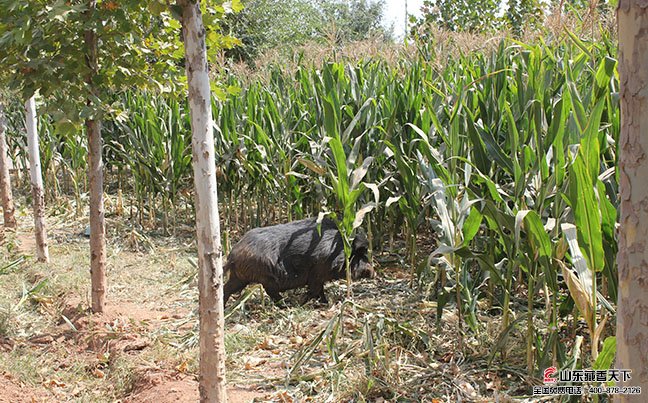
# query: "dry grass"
[[51, 339], [317, 53]]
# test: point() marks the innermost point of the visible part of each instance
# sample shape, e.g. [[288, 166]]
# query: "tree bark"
[[210, 260], [95, 178], [38, 195], [632, 310], [5, 180], [97, 220]]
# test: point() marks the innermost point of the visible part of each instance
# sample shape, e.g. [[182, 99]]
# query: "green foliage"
[[269, 24], [480, 16], [606, 357], [47, 48], [524, 15], [283, 24], [152, 141], [601, 5], [494, 153], [353, 20], [457, 16]]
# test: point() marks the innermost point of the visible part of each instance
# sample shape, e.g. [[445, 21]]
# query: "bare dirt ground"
[[13, 391], [383, 345]]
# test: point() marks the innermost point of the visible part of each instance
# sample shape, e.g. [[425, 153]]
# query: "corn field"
[[491, 174]]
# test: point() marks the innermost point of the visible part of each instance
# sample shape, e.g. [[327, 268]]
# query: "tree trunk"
[[210, 260], [95, 179], [97, 220], [5, 180], [38, 195], [632, 310]]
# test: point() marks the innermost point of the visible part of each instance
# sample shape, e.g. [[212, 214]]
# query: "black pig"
[[286, 256]]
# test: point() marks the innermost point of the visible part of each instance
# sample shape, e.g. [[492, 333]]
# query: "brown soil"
[[155, 387], [89, 337], [164, 389], [11, 391], [26, 243]]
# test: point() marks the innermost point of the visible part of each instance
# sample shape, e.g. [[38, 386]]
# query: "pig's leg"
[[233, 285], [316, 291], [272, 292]]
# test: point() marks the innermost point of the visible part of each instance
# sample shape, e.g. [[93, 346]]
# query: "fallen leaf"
[[182, 367], [53, 383], [284, 397], [268, 344], [138, 345], [252, 362], [42, 339], [467, 388], [278, 364]]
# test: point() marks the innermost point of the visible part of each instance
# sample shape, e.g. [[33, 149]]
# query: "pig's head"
[[360, 267]]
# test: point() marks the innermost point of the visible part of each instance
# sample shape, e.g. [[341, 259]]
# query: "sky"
[[395, 12]]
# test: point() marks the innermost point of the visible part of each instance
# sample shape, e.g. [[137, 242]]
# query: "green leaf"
[[234, 90], [605, 72], [330, 118], [586, 213], [236, 5], [605, 358], [496, 153], [471, 225], [342, 190], [590, 147], [347, 132], [539, 243], [480, 157], [608, 211], [157, 7], [217, 90]]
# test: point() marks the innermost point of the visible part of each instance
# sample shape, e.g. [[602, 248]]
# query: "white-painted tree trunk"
[[5, 180], [632, 259], [38, 194], [210, 259]]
